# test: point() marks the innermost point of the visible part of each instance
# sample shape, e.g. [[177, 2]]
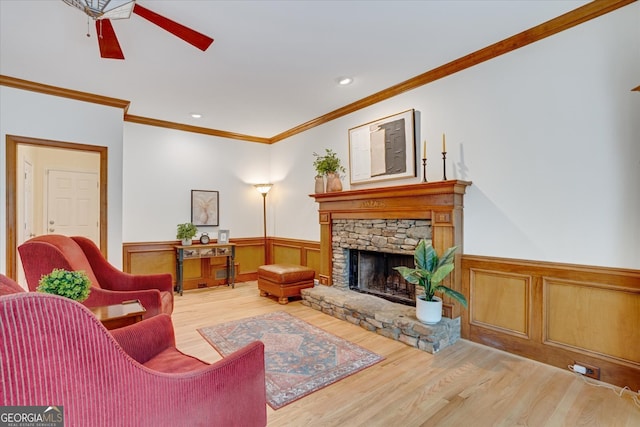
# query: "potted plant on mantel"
[[186, 232], [429, 272], [328, 165], [71, 284]]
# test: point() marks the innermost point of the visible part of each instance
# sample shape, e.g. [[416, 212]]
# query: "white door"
[[73, 204], [25, 227], [26, 231]]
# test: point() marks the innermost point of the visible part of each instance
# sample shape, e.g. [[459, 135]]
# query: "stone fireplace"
[[363, 235], [389, 220], [364, 252]]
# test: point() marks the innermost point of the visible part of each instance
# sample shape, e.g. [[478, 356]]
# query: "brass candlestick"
[[444, 165], [424, 170]]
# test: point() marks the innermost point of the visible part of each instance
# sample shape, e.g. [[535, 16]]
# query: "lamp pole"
[[263, 189]]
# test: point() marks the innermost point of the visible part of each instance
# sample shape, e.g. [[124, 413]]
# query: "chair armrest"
[[162, 282], [120, 281], [143, 340], [230, 392]]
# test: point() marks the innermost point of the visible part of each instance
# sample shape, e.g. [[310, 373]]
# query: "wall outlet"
[[591, 371]]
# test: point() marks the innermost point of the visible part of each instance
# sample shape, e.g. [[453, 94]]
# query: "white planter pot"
[[429, 312], [186, 242]]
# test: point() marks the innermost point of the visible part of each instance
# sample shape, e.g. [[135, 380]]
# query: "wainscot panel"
[[149, 258], [250, 256], [592, 317], [501, 301], [292, 251], [555, 313]]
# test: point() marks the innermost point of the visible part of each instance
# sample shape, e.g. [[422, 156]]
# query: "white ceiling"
[[273, 64]]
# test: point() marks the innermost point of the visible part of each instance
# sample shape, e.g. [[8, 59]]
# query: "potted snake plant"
[[429, 272]]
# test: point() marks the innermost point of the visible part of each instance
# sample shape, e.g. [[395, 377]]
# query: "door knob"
[[52, 222], [52, 230]]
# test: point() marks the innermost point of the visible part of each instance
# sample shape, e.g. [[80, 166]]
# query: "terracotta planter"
[[319, 184], [333, 182], [429, 312]]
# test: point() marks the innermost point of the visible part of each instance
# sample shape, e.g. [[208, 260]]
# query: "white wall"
[[162, 166], [549, 135], [35, 115]]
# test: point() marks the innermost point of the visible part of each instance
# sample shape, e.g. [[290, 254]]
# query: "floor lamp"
[[264, 189]]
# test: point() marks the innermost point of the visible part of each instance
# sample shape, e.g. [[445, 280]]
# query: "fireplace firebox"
[[373, 273]]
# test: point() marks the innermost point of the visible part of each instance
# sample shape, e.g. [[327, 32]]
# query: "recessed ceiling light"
[[343, 81], [196, 115]]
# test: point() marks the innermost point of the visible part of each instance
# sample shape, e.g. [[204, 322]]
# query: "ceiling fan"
[[103, 11]]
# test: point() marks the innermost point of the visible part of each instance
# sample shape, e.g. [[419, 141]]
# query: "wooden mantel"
[[441, 202]]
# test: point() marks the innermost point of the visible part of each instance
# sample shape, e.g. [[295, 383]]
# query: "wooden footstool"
[[284, 280]]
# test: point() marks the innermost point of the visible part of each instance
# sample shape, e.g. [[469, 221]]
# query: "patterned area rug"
[[299, 357]]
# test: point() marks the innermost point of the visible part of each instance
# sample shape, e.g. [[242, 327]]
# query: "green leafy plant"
[[186, 231], [71, 284], [430, 271], [329, 163]]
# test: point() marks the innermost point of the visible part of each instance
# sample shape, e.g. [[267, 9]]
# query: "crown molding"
[[196, 129], [64, 93], [556, 25]]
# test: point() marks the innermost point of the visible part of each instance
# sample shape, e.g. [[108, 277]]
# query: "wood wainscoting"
[[160, 257], [291, 251], [556, 313]]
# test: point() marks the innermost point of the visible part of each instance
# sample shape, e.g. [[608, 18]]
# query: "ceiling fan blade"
[[107, 40], [192, 37]]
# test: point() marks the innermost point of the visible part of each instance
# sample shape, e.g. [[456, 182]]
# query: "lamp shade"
[[263, 188]]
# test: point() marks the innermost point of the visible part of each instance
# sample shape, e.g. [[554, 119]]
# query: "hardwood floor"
[[463, 385]]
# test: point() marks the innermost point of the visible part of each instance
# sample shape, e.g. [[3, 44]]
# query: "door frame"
[[12, 197]]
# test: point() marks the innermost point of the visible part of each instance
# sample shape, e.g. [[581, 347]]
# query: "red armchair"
[[55, 352], [9, 286], [109, 285]]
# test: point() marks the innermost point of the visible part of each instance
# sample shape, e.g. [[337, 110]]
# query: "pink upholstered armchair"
[[55, 352], [109, 285], [9, 286]]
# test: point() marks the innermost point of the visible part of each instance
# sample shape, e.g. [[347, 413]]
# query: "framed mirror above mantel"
[[441, 202]]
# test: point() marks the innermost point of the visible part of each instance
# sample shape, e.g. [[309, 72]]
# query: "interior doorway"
[[27, 218], [72, 206]]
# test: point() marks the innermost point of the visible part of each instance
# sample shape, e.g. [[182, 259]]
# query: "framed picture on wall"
[[204, 207], [223, 236], [383, 149]]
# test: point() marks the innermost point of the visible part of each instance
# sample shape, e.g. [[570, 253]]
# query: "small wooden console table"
[[204, 252], [119, 315]]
